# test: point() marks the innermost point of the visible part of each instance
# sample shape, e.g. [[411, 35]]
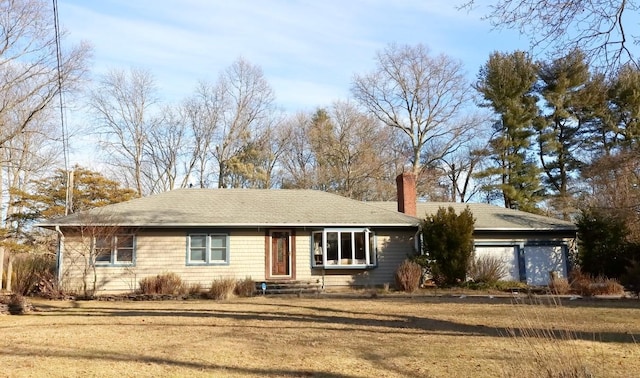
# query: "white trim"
[[352, 262]]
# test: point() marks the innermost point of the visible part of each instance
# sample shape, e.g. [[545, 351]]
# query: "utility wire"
[[65, 140]]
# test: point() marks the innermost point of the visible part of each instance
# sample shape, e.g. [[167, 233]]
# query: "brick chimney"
[[406, 184]]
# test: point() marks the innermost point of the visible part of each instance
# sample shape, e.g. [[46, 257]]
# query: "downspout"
[[59, 255]]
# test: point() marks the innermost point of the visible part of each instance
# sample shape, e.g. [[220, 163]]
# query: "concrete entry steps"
[[276, 287]]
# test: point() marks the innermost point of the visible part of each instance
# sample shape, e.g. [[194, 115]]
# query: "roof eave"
[[527, 229], [231, 225]]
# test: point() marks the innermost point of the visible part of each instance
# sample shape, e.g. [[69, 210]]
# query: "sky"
[[309, 50]]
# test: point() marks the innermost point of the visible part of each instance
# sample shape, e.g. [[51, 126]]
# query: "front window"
[[114, 250], [208, 249], [344, 248]]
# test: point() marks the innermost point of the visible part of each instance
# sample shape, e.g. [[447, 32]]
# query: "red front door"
[[280, 253]]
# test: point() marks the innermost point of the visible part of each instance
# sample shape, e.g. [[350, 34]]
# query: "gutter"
[[236, 225], [508, 229]]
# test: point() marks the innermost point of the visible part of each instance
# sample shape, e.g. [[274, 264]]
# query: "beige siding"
[[164, 251], [303, 256]]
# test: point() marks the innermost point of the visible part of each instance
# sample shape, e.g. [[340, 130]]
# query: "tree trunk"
[[1, 265], [9, 273]]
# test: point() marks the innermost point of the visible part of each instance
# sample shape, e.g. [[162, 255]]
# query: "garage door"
[[541, 260], [507, 254]]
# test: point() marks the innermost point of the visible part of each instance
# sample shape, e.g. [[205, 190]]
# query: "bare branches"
[[122, 103], [341, 150], [246, 107], [600, 28], [420, 95], [28, 65]]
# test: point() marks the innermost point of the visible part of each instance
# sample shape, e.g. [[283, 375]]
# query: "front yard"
[[356, 336]]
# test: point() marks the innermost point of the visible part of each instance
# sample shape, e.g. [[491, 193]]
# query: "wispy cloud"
[[309, 50]]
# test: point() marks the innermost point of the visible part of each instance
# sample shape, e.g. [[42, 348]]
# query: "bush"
[[606, 286], [29, 270], [222, 288], [17, 305], [603, 248], [487, 269], [163, 284], [408, 276], [631, 279], [447, 241], [580, 283], [245, 287], [510, 285], [195, 290], [587, 286], [497, 285], [559, 286]]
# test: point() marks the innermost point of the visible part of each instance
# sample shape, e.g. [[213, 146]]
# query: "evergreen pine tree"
[[507, 85]]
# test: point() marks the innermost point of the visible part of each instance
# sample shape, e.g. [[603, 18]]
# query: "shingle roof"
[[239, 208], [491, 217]]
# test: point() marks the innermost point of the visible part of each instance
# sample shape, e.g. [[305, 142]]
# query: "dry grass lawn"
[[358, 336]]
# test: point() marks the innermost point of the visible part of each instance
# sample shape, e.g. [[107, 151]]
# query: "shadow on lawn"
[[90, 355], [323, 318]]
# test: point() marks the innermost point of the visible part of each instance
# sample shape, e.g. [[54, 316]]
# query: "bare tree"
[[422, 96], [339, 150], [600, 28], [165, 149], [31, 76], [122, 103], [614, 188], [247, 103], [348, 149], [29, 66], [85, 251], [298, 159], [267, 147], [27, 157], [459, 168], [203, 111]]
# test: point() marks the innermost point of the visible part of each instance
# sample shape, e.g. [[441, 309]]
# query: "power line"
[[65, 139]]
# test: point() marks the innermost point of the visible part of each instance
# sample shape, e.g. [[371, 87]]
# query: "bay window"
[[343, 248]]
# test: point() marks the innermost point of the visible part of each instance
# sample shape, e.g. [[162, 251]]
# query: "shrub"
[[511, 285], [508, 286], [163, 284], [472, 285], [587, 286], [408, 276], [606, 286], [447, 240], [631, 278], [18, 305], [580, 283], [195, 290], [29, 269], [222, 288], [487, 269], [245, 287], [559, 286], [603, 248]]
